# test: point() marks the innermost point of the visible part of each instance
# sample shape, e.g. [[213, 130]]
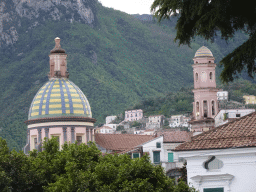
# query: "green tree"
[[120, 128], [80, 168], [136, 124], [205, 18]]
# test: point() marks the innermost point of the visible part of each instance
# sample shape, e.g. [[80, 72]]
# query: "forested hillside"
[[180, 102], [117, 60]]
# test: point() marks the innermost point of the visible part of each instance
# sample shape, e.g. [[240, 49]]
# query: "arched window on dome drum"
[[213, 108], [205, 108], [196, 77], [197, 109], [210, 75]]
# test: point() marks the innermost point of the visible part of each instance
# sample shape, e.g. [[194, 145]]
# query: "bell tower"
[[205, 105]]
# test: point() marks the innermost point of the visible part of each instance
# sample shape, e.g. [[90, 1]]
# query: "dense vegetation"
[[180, 102], [116, 62], [80, 168]]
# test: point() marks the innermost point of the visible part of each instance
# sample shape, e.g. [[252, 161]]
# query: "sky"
[[129, 6]]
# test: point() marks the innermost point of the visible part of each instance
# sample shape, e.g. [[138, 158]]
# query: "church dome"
[[59, 97], [203, 52]]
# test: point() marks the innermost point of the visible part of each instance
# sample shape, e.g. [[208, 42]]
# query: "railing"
[[171, 165], [26, 149]]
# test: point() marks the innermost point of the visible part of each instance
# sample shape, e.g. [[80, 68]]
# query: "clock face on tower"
[[203, 77]]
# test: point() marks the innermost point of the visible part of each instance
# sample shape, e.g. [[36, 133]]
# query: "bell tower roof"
[[203, 52], [57, 48]]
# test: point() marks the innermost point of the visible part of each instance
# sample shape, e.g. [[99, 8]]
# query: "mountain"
[[116, 59]]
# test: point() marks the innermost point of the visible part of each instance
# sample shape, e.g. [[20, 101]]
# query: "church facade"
[[59, 109]]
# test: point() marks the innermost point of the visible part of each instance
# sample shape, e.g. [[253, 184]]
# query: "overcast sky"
[[129, 6]]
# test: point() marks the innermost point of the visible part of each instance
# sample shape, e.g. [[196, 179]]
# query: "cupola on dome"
[[59, 97], [203, 52]]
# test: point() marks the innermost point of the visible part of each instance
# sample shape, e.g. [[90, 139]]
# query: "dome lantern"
[[58, 61]]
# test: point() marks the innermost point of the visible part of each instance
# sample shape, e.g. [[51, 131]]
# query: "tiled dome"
[[203, 52], [58, 98]]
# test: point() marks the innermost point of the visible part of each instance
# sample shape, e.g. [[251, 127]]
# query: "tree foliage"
[[207, 17], [79, 168]]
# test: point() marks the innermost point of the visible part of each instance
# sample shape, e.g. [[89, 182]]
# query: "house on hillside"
[[249, 99], [227, 115], [109, 119], [133, 115], [222, 159], [104, 130], [155, 122]]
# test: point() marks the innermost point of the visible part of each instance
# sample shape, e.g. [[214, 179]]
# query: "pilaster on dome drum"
[[203, 52]]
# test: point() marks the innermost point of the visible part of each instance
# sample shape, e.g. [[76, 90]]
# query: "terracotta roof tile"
[[175, 136], [121, 142], [238, 133]]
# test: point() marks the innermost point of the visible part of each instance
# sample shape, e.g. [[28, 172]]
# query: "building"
[[104, 130], [222, 95], [179, 121], [133, 115], [222, 159], [227, 115], [172, 139], [205, 105], [155, 121], [109, 119], [113, 126], [249, 99], [59, 109]]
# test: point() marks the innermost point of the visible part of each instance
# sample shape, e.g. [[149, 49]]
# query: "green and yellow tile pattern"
[[57, 98]]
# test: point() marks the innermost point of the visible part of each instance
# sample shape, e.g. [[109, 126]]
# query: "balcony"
[[171, 165]]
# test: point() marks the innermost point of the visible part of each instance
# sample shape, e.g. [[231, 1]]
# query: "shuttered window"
[[156, 157], [214, 190], [135, 155], [170, 157]]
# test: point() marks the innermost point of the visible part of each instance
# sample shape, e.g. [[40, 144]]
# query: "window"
[[158, 145], [136, 115], [210, 75], [35, 141], [205, 108], [196, 77], [197, 109], [135, 155], [127, 116], [214, 189], [238, 115], [213, 163], [79, 139], [170, 157], [213, 108], [156, 157]]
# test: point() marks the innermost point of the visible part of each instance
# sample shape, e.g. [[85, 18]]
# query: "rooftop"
[[175, 136], [121, 142], [236, 134], [203, 52]]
